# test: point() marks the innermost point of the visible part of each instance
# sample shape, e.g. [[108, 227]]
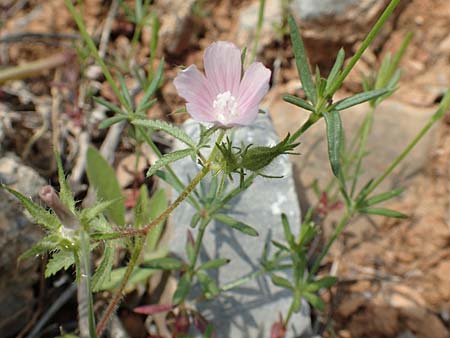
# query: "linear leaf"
[[301, 61], [112, 120], [208, 285], [314, 300], [152, 87], [169, 158], [384, 196], [323, 283], [103, 178], [168, 128], [109, 105], [164, 263], [335, 70], [281, 282], [214, 263], [39, 214], [383, 212], [242, 227], [184, 285], [334, 137], [360, 98], [298, 102]]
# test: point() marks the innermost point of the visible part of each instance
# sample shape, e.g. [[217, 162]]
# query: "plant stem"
[[113, 304], [262, 6], [367, 41]]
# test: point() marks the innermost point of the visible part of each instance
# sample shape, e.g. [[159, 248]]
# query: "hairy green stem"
[[115, 301]]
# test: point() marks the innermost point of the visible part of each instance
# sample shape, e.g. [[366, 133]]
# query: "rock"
[[249, 310], [17, 234]]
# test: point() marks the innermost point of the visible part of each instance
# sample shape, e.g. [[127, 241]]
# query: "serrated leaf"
[[46, 244], [209, 286], [112, 120], [103, 272], [65, 194], [39, 214], [59, 260], [102, 177], [383, 197], [298, 102], [168, 128], [97, 209], [383, 212], [240, 226], [301, 61], [334, 137], [287, 231], [360, 98], [314, 300], [151, 88], [108, 105], [183, 288], [323, 283], [214, 264], [281, 282], [169, 158], [335, 70], [164, 263]]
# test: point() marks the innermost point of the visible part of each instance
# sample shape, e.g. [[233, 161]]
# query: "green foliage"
[[169, 158], [168, 128], [334, 138], [61, 259], [237, 225], [103, 179]]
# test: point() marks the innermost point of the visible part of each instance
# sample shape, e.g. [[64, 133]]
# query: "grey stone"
[[312, 9], [249, 310], [17, 234]]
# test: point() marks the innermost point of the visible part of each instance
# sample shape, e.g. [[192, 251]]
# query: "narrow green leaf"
[[287, 231], [164, 263], [125, 92], [214, 263], [280, 246], [168, 128], [323, 283], [65, 194], [334, 137], [103, 273], [335, 71], [383, 197], [383, 212], [301, 61], [96, 209], [209, 286], [112, 120], [102, 177], [364, 191], [298, 102], [169, 158], [195, 220], [360, 98], [59, 260], [142, 208], [281, 282], [44, 245], [444, 105], [39, 214], [151, 89], [157, 204], [183, 288], [105, 236], [242, 227], [314, 300], [109, 105]]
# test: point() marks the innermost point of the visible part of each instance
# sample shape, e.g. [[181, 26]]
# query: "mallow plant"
[[225, 97]]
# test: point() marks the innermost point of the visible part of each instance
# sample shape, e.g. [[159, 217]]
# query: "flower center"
[[225, 106]]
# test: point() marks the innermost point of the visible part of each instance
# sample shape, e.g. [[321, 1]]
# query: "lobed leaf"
[[62, 259]]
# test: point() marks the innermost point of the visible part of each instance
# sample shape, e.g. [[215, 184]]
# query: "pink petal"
[[254, 86], [193, 87], [222, 62]]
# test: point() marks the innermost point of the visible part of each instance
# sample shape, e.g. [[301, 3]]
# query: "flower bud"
[[257, 158]]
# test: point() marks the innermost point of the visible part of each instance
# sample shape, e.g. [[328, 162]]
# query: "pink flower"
[[222, 97]]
